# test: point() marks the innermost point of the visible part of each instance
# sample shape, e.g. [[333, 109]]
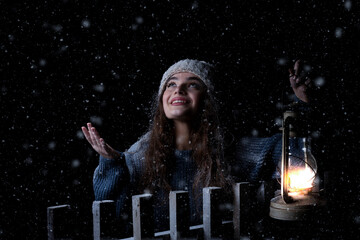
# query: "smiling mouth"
[[178, 102]]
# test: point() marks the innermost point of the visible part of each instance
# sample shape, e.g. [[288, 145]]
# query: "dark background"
[[69, 62]]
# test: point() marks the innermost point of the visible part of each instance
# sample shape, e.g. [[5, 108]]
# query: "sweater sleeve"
[[111, 178], [256, 158]]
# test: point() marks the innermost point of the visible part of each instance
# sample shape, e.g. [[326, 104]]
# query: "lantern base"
[[298, 210]]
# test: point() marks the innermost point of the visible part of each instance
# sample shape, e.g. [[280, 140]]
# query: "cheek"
[[165, 98]]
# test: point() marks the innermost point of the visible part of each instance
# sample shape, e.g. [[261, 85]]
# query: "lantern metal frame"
[[283, 206]]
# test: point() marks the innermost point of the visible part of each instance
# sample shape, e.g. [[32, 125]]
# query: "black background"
[[69, 62]]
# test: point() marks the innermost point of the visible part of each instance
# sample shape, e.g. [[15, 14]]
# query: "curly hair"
[[206, 141]]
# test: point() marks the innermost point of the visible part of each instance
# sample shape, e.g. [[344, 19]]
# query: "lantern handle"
[[289, 118]]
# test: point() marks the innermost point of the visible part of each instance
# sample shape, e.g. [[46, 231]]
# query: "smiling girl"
[[181, 151]]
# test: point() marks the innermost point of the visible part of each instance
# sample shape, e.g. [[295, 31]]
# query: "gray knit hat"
[[201, 69]]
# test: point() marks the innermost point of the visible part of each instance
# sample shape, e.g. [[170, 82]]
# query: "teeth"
[[179, 101]]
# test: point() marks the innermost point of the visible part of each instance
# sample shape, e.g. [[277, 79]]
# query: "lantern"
[[299, 195]]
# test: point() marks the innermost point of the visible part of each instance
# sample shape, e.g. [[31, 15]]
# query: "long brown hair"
[[207, 150]]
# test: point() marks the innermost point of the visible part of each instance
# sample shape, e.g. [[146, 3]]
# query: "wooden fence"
[[247, 200]]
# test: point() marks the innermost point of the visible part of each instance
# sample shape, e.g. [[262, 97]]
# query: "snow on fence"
[[214, 226]]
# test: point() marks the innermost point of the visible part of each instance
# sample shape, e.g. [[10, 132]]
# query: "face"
[[182, 96]]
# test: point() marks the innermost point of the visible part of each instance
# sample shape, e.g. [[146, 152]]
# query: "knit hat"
[[201, 69]]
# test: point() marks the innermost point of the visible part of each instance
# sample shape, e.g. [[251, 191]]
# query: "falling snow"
[[69, 63]]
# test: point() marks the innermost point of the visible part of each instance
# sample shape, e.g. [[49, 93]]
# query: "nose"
[[180, 89]]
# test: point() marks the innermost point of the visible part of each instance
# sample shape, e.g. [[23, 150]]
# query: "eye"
[[171, 84], [194, 85]]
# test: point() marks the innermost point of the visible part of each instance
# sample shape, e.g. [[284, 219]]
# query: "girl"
[[182, 150]]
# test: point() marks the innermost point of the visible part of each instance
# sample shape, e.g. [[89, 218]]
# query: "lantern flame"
[[301, 180]]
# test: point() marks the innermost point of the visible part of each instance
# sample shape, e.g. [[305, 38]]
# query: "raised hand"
[[98, 143], [300, 82]]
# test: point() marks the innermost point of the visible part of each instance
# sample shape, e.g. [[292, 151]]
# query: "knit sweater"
[[118, 179]]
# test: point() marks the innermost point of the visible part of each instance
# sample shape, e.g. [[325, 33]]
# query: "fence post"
[[212, 219], [103, 216], [54, 215], [143, 219], [179, 214], [241, 204]]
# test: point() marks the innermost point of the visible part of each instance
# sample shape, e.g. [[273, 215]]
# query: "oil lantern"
[[299, 195]]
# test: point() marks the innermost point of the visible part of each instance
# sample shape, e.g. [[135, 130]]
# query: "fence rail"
[[214, 226]]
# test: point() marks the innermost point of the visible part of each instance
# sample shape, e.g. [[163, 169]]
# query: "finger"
[[93, 136], [103, 144], [291, 72], [292, 78], [89, 126], [298, 67], [303, 80], [97, 136], [86, 134], [292, 82]]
